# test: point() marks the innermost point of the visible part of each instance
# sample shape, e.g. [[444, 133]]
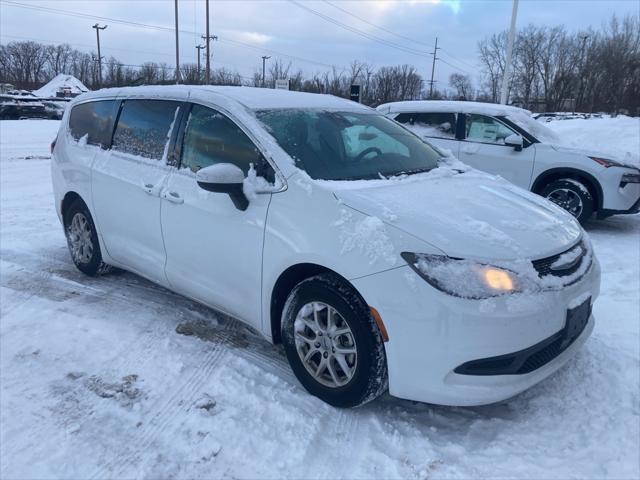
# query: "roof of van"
[[251, 97], [446, 106]]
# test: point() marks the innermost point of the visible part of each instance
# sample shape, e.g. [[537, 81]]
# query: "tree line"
[[552, 69]]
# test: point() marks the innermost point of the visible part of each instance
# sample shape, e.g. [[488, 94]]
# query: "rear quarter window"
[[144, 127], [430, 124], [93, 120]]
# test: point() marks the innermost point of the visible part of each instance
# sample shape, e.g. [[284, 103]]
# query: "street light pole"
[[177, 45], [264, 59], [98, 28], [507, 66], [208, 45]]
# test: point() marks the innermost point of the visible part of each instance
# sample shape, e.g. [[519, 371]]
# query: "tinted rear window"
[[144, 127], [95, 120]]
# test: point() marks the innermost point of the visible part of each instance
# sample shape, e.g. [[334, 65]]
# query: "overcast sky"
[[279, 27]]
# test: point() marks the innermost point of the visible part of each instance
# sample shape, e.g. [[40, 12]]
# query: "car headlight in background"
[[605, 162], [463, 278]]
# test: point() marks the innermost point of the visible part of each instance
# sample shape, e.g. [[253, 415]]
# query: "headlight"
[[463, 278], [605, 162]]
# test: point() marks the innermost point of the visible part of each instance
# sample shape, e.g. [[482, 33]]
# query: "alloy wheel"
[[325, 344]]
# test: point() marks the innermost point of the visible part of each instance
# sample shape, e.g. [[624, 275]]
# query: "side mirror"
[[514, 140], [224, 178]]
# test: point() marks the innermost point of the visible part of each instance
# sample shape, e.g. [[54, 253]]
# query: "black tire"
[[91, 264], [571, 195], [369, 378]]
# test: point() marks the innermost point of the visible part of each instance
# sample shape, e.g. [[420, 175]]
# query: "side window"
[[144, 127], [431, 124], [210, 137], [93, 120], [480, 128]]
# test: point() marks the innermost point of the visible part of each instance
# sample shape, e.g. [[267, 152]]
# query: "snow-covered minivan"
[[333, 230], [507, 141]]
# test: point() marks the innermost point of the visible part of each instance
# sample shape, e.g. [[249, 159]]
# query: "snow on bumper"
[[431, 333]]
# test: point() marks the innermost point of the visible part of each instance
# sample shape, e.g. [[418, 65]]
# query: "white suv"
[[507, 141], [333, 230]]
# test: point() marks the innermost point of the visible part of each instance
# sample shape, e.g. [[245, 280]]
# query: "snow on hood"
[[467, 215], [593, 153]]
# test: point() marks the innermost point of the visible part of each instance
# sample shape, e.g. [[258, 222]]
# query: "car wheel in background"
[[332, 342], [571, 195], [82, 239]]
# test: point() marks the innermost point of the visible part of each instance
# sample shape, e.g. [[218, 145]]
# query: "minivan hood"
[[468, 215]]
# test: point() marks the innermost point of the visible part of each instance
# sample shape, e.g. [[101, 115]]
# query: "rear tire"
[[571, 195], [332, 342], [82, 240]]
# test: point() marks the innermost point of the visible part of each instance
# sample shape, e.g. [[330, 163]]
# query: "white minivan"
[[507, 141], [378, 262]]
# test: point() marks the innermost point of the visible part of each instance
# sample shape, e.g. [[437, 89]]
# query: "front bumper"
[[431, 334], [620, 197]]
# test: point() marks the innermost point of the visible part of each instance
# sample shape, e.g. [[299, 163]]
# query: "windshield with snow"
[[332, 145], [534, 127]]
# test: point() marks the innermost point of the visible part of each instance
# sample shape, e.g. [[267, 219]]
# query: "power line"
[[159, 28]]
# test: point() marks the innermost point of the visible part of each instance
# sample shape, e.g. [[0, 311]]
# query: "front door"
[[483, 148], [214, 250], [127, 183]]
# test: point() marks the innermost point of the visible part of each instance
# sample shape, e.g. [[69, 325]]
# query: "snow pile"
[[619, 136], [61, 82]]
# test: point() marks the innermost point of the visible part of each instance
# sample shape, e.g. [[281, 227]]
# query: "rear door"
[[127, 182], [437, 128], [214, 250], [483, 148]]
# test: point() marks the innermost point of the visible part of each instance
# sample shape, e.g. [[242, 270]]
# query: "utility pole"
[[208, 39], [583, 61], [264, 59], [433, 67], [177, 46], [199, 47], [98, 28], [507, 67]]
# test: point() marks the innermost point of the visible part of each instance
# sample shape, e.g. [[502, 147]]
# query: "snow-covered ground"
[[115, 377]]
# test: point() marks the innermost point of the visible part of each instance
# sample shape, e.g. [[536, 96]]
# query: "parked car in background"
[[17, 110], [507, 141], [54, 110], [333, 230]]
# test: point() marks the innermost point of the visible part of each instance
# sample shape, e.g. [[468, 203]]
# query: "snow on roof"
[[58, 82], [252, 98], [446, 106]]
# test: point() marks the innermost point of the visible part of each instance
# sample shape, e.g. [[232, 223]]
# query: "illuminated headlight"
[[463, 278]]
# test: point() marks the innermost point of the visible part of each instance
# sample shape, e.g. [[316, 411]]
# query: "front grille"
[[543, 266]]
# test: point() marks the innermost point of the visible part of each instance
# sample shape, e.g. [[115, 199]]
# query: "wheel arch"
[[566, 172], [283, 286], [68, 200]]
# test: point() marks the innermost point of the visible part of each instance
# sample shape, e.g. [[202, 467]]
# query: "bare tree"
[[462, 85]]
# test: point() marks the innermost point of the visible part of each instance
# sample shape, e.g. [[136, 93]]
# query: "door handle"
[[148, 188], [173, 197]]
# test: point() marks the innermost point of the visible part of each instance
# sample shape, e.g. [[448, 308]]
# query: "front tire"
[[332, 342], [571, 195], [82, 239]]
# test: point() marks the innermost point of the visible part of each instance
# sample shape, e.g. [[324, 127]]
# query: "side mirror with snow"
[[224, 178], [514, 140]]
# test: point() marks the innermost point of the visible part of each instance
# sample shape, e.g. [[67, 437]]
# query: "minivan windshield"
[[332, 145]]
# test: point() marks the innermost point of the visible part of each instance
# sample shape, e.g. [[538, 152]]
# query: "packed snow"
[[116, 377]]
